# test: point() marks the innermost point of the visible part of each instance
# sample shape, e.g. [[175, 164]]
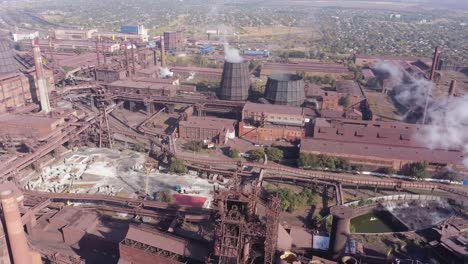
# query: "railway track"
[[117, 204]]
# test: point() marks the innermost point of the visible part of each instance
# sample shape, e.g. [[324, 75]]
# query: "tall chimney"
[[155, 58], [453, 88], [97, 53], [41, 81], [163, 53], [126, 58], [4, 251], [133, 58], [20, 251], [435, 62], [103, 53]]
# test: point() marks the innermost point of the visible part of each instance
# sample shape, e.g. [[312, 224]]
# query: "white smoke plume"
[[191, 77], [448, 125], [164, 72], [232, 54], [447, 118]]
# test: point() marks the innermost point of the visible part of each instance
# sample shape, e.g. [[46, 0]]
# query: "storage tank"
[[285, 89], [235, 82]]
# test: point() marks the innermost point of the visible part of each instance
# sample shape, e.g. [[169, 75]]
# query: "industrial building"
[[196, 74], [73, 34], [19, 88], [208, 129], [285, 89], [376, 144], [273, 122], [144, 244], [308, 68], [174, 41]]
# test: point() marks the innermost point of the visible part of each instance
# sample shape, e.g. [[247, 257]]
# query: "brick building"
[[18, 88], [73, 34], [208, 129], [197, 74], [173, 41], [377, 144], [147, 245], [273, 122]]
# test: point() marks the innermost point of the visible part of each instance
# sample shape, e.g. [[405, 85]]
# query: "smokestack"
[[452, 88], [126, 58], [103, 53], [4, 251], [41, 81], [163, 53], [20, 251], [133, 58], [435, 62], [97, 53], [155, 58]]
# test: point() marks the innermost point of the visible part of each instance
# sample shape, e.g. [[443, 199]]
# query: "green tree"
[[164, 196], [387, 170], [449, 174], [194, 145], [234, 153], [257, 154], [19, 46], [78, 51], [345, 101], [274, 154], [177, 166], [374, 83], [418, 170], [343, 164]]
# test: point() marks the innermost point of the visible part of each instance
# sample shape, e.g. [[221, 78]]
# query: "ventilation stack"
[[20, 251], [435, 63], [285, 89], [453, 88], [41, 80], [235, 82], [163, 53]]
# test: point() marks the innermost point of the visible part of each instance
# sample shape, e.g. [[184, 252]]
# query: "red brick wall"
[[269, 133]]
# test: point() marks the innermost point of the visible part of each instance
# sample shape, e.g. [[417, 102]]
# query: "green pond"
[[374, 223]]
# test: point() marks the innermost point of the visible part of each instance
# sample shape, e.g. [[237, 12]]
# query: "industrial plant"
[[133, 147]]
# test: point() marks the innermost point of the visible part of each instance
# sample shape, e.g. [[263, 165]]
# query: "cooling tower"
[[235, 81], [285, 89]]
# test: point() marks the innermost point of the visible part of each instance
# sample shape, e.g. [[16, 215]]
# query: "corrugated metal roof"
[[7, 62], [381, 151], [184, 247], [189, 200]]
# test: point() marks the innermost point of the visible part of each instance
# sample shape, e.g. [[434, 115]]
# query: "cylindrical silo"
[[18, 243], [285, 89], [235, 82]]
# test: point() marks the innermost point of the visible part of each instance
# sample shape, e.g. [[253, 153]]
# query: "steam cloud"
[[231, 54], [447, 118], [165, 72]]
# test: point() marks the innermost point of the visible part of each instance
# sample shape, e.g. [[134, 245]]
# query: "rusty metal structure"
[[435, 62], [272, 222], [105, 133]]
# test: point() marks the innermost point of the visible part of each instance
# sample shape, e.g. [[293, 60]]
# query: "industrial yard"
[[230, 137]]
